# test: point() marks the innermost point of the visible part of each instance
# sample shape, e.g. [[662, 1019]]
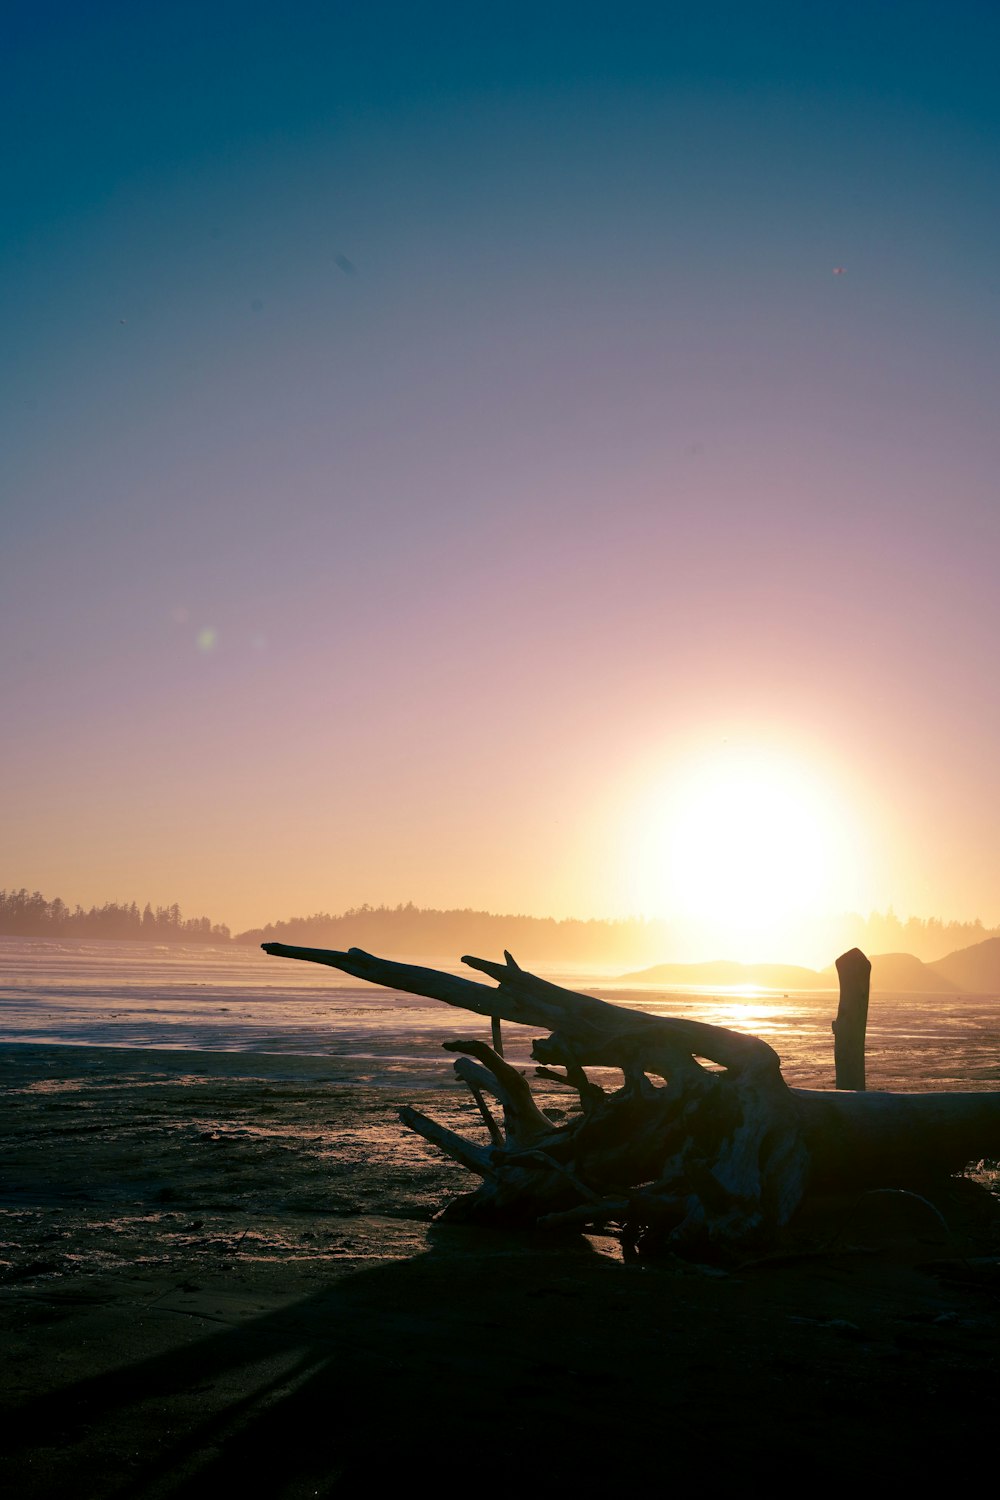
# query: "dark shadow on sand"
[[489, 1363], [371, 1379]]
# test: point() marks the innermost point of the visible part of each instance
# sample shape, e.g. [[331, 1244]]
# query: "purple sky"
[[424, 448]]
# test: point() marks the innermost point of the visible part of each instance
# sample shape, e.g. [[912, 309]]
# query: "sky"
[[532, 458]]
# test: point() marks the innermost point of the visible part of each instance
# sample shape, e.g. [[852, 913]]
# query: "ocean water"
[[208, 999]]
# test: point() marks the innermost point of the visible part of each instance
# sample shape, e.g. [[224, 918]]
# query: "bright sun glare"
[[742, 848]]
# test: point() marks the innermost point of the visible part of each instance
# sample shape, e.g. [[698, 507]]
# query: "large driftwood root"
[[682, 1156]]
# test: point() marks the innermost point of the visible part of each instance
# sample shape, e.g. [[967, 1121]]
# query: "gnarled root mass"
[[684, 1157]]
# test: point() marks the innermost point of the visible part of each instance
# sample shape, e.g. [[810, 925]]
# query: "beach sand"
[[220, 1274]]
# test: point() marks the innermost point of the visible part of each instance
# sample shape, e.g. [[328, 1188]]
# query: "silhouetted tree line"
[[24, 915], [415, 931], [927, 938]]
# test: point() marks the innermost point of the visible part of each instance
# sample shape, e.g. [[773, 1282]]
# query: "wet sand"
[[220, 1273]]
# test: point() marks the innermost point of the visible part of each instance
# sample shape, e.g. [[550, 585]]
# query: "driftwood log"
[[703, 1148]]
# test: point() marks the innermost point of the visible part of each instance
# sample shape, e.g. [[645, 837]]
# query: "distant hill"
[[976, 969], [895, 972], [903, 972], [726, 974]]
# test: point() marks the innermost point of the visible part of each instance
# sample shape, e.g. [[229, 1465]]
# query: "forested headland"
[[425, 932]]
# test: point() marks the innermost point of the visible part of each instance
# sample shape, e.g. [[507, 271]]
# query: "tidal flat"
[[221, 1271]]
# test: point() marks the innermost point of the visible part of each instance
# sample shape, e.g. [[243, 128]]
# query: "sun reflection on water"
[[740, 1013]]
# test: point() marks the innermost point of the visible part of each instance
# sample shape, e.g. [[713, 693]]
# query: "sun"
[[745, 847]]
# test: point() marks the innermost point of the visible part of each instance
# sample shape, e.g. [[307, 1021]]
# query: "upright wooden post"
[[854, 972]]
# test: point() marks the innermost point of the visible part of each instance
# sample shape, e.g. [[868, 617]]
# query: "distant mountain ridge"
[[974, 971]]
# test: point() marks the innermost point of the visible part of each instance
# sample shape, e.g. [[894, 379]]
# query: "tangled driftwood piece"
[[682, 1156]]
